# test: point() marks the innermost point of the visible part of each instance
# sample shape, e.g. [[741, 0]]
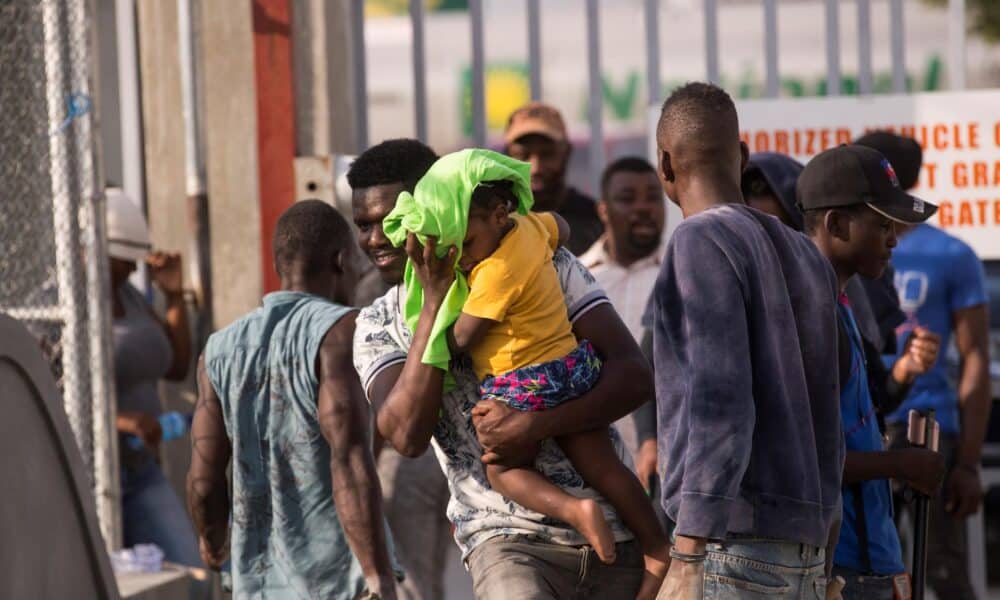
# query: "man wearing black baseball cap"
[[852, 201], [942, 288]]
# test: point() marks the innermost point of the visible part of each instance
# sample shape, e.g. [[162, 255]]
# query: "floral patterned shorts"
[[546, 385]]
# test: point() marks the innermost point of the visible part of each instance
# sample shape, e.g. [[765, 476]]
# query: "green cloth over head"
[[439, 207]]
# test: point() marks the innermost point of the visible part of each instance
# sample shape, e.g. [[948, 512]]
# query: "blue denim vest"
[[286, 539]]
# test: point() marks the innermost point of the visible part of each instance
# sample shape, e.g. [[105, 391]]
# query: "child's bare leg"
[[594, 457], [531, 490]]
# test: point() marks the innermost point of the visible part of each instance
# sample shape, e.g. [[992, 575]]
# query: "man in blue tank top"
[[852, 204], [279, 400]]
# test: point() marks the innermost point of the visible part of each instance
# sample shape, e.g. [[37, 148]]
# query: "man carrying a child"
[[511, 551]]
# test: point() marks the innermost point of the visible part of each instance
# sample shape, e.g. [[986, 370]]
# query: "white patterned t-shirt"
[[479, 513]]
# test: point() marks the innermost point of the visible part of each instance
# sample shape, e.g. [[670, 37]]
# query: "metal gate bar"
[[652, 18], [864, 46], [478, 76], [712, 41], [535, 49], [956, 44], [596, 103], [772, 82], [832, 48], [896, 35], [360, 81], [419, 69]]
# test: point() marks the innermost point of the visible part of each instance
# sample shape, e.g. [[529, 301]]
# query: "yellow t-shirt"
[[518, 287]]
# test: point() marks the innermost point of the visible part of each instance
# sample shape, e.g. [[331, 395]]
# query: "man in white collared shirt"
[[626, 261]]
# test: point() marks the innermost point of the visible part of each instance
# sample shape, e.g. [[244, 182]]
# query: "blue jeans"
[[153, 514], [864, 587], [751, 568]]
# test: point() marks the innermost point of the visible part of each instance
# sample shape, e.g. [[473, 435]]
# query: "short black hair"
[[310, 232], [903, 153], [401, 160], [700, 113], [626, 164], [490, 194]]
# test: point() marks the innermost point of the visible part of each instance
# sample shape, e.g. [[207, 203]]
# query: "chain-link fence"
[[53, 257]]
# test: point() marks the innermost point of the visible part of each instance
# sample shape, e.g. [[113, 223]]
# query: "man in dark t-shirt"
[[536, 134]]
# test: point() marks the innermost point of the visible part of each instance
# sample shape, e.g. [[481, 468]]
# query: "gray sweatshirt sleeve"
[[644, 417], [708, 317]]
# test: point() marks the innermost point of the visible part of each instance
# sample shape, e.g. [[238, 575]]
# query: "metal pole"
[[921, 524], [897, 46], [419, 69], [772, 85], [653, 84], [130, 105], [478, 74], [922, 432], [535, 49], [106, 469], [712, 40], [596, 103], [832, 48], [956, 44], [91, 216], [194, 157], [864, 47], [360, 80], [64, 223], [199, 268]]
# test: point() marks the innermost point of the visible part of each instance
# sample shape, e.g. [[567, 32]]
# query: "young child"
[[514, 327]]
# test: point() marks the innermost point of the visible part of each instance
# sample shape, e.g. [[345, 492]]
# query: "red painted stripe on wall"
[[272, 41]]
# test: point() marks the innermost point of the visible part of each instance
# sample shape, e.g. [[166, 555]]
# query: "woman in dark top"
[[146, 349]]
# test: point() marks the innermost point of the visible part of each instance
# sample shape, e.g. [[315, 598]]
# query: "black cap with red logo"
[[853, 174]]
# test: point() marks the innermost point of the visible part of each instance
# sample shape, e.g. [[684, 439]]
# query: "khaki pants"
[[513, 567]]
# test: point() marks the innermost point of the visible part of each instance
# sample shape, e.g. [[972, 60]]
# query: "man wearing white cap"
[[146, 349]]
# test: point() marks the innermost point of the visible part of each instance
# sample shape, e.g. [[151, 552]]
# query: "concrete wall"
[[324, 78], [163, 126], [227, 59]]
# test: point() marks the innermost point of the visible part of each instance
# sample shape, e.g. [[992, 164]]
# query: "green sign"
[[386, 8], [508, 87]]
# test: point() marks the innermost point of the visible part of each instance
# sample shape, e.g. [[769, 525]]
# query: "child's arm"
[[466, 332]]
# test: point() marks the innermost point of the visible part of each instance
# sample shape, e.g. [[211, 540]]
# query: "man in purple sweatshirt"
[[745, 347]]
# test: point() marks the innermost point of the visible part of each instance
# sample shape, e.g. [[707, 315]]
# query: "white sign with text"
[[958, 131]]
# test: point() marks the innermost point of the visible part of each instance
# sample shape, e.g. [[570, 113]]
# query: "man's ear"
[[567, 150], [501, 213], [602, 211], [744, 155], [664, 168], [339, 261], [838, 224]]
